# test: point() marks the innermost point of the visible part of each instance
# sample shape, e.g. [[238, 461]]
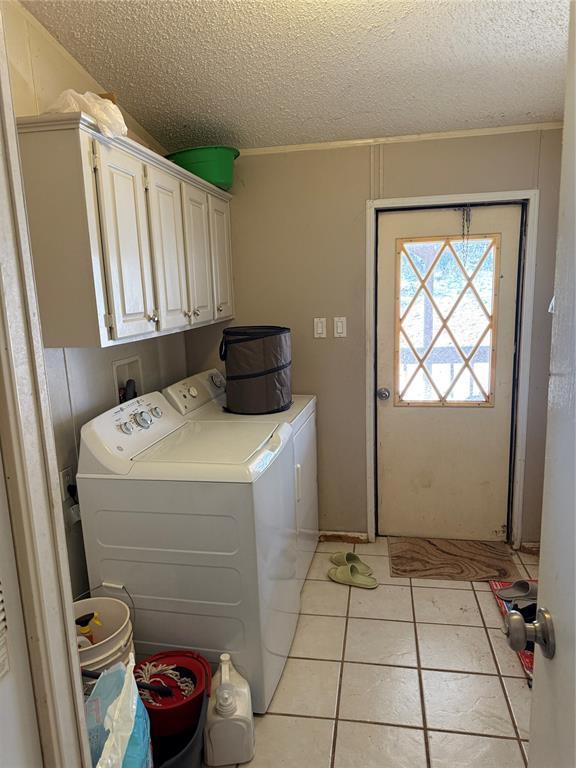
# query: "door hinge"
[[108, 321]]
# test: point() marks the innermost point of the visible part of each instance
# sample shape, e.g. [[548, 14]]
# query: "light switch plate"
[[319, 327], [340, 330]]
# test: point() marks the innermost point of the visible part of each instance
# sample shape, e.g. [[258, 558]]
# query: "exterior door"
[[221, 258], [552, 732], [124, 226], [166, 229], [19, 740], [446, 307], [198, 259]]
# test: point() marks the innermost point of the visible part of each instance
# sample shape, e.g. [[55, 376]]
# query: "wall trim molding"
[[373, 208], [410, 137]]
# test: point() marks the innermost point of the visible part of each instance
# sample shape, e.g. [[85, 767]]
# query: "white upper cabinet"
[[221, 257], [198, 256], [126, 245], [166, 231]]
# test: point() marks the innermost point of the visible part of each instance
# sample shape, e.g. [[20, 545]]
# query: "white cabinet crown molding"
[[80, 120]]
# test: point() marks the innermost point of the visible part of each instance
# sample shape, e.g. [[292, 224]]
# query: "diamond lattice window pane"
[[468, 321], [423, 254], [420, 389], [444, 362], [466, 390], [446, 282], [484, 280], [470, 251], [409, 283], [480, 362], [407, 362], [445, 320], [421, 324]]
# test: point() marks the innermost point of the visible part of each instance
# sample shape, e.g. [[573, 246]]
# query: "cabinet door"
[[221, 257], [167, 233], [306, 494], [122, 202], [197, 248]]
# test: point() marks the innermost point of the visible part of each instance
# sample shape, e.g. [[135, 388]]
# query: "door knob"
[[383, 393], [540, 632]]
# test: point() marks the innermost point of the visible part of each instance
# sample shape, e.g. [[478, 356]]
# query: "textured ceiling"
[[267, 72]]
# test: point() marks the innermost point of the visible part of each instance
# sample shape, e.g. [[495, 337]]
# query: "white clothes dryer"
[[196, 519], [203, 396]]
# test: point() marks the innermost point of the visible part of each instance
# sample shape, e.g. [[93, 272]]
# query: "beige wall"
[[298, 240], [80, 381], [40, 68]]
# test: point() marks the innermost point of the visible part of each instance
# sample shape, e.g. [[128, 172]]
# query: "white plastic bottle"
[[229, 730]]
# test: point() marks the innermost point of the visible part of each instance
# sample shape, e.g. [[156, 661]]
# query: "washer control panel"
[[131, 427], [195, 391]]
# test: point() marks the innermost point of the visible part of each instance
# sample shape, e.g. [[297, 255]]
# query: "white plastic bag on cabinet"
[[103, 111]]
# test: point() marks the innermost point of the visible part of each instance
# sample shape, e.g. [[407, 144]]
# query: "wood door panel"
[[221, 258], [167, 230], [198, 258], [126, 242]]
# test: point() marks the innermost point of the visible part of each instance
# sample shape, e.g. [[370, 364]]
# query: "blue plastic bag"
[[118, 723]]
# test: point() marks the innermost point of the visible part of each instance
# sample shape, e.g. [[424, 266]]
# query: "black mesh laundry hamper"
[[258, 368]]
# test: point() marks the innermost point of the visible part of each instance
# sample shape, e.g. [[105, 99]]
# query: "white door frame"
[[373, 207], [30, 469]]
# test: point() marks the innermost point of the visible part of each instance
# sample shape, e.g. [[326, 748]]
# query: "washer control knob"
[[143, 419], [156, 411], [192, 391], [217, 379], [126, 427]]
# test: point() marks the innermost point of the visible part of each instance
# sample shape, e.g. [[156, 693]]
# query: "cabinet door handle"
[[196, 313], [220, 308], [187, 314], [153, 318]]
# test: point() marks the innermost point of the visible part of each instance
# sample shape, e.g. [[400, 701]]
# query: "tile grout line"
[[339, 695], [502, 684], [327, 719], [420, 681], [407, 666]]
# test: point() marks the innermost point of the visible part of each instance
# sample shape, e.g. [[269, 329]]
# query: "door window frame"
[[529, 200]]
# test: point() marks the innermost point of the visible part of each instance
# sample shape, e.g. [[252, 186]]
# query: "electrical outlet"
[[66, 479]]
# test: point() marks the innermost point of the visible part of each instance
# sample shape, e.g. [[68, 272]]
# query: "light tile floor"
[[414, 674]]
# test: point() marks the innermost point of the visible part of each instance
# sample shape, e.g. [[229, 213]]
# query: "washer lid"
[[210, 442]]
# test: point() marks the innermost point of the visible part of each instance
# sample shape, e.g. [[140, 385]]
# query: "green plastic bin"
[[214, 164]]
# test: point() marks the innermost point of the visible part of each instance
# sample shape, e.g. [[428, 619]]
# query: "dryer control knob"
[[126, 427], [192, 391], [156, 412], [143, 419], [218, 380]]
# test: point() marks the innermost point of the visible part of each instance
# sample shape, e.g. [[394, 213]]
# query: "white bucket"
[[113, 640]]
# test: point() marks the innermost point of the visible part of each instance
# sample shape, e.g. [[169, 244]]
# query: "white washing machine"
[[196, 519], [202, 396]]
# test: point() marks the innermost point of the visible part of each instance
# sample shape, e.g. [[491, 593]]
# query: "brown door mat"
[[451, 559]]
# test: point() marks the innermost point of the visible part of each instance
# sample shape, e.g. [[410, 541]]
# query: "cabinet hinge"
[[108, 321], [94, 159]]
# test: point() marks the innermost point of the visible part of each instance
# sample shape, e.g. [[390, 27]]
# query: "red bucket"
[[188, 675]]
